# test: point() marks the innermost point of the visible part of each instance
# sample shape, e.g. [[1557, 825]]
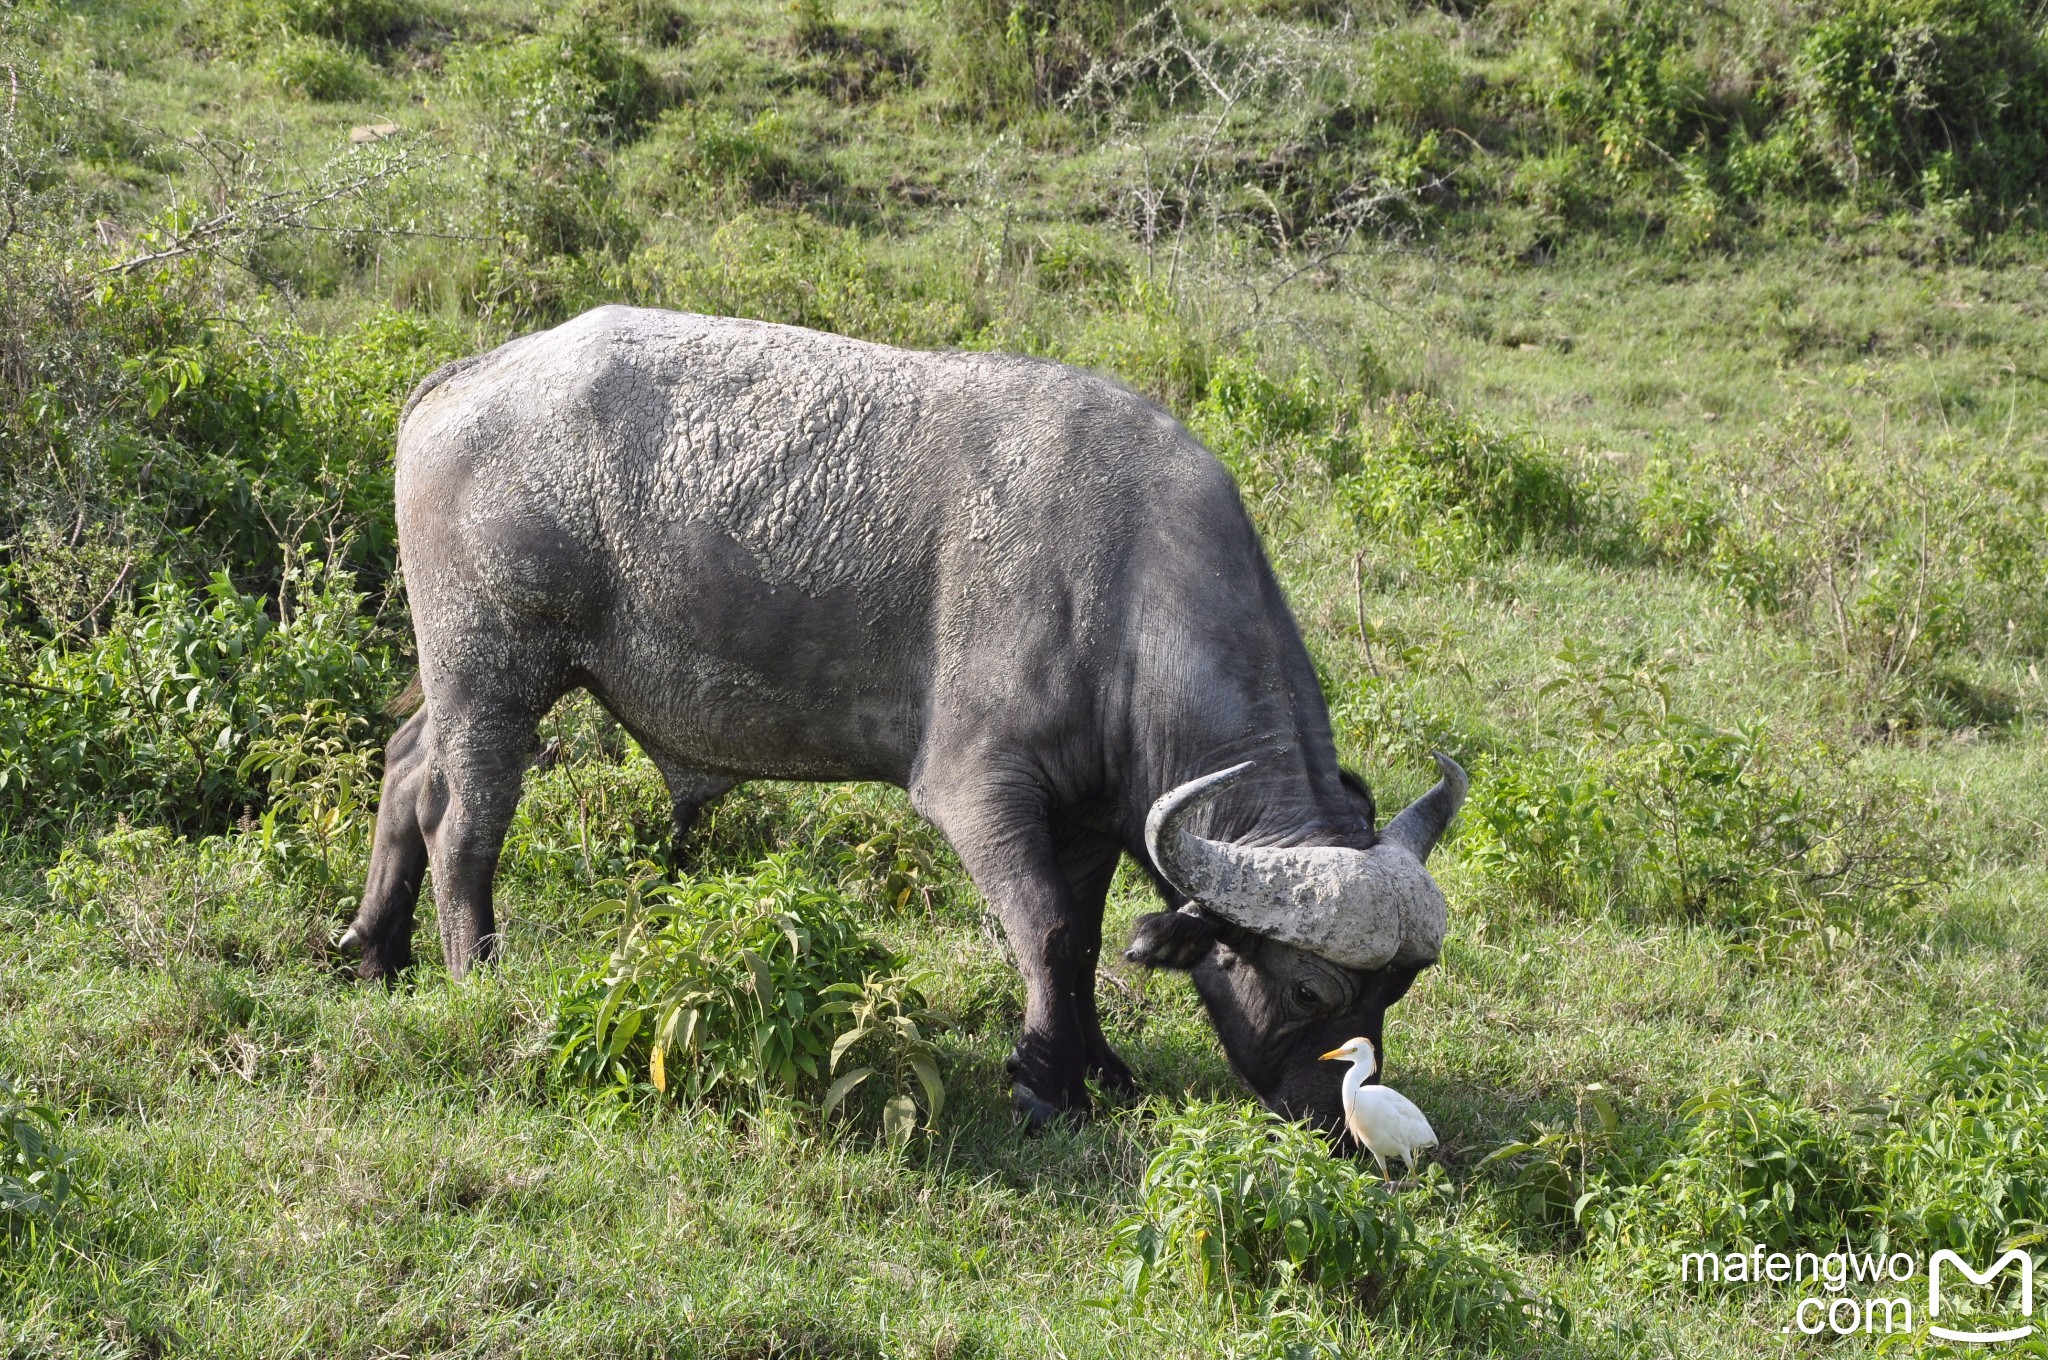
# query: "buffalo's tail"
[[435, 379], [408, 700]]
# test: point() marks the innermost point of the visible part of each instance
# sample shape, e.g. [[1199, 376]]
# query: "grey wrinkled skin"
[[1018, 591]]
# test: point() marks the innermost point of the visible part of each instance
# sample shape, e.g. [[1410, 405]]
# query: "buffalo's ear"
[[1362, 793], [1171, 939], [1391, 984]]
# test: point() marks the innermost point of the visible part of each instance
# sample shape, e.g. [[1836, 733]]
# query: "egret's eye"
[[1306, 994]]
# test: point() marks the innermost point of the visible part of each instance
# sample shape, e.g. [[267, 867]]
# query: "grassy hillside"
[[1642, 401]]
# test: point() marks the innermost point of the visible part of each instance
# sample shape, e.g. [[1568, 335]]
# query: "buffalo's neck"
[[1220, 677], [1294, 792]]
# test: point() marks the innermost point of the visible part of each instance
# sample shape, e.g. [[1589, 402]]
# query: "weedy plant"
[[748, 987], [1661, 815], [1963, 1155], [887, 1025], [1558, 1171], [1746, 1167], [1454, 490], [36, 1179], [1954, 1159], [1240, 1202]]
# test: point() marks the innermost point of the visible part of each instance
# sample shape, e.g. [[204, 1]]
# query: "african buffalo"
[[1017, 590]]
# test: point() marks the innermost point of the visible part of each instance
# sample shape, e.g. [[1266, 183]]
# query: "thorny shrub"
[[1453, 489]]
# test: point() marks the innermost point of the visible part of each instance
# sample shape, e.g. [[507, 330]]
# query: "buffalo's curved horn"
[[1421, 824], [1359, 908]]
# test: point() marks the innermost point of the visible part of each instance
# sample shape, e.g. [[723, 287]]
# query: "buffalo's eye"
[[1306, 995]]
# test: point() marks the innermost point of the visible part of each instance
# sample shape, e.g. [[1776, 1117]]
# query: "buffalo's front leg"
[[1008, 849], [1089, 861]]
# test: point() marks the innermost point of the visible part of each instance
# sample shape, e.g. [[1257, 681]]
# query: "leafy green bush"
[[36, 1179], [155, 720], [1250, 417], [1546, 829], [1626, 76], [1930, 98], [1661, 815], [1148, 341], [1414, 79], [748, 987], [1962, 1154], [154, 436], [557, 102], [1745, 1167], [1458, 489], [886, 1024], [1239, 1200], [575, 80], [594, 807], [317, 68]]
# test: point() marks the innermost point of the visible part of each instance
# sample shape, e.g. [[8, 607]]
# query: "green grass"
[[272, 1159]]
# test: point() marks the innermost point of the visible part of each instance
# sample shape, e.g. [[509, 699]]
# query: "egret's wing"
[[1392, 1120]]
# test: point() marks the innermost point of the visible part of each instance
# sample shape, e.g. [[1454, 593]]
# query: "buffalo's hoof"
[[1113, 1076], [1032, 1113], [374, 959]]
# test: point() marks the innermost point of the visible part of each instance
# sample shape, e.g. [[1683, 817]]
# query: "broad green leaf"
[[844, 1042], [763, 975], [840, 1088], [899, 1118], [934, 1089]]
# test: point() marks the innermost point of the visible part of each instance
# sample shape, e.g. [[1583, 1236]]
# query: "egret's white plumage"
[[1380, 1117]]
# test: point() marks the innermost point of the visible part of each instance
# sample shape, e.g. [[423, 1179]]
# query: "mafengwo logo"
[[2025, 1301], [1860, 1292]]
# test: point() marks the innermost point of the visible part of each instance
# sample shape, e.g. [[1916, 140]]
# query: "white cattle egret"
[[1380, 1117]]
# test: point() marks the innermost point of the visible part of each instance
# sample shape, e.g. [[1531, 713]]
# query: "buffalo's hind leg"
[[382, 928], [690, 791], [482, 744], [451, 786]]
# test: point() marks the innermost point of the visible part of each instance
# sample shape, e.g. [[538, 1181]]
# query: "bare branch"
[[273, 211]]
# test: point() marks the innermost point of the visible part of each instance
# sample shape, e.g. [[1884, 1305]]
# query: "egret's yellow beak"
[[1344, 1052]]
